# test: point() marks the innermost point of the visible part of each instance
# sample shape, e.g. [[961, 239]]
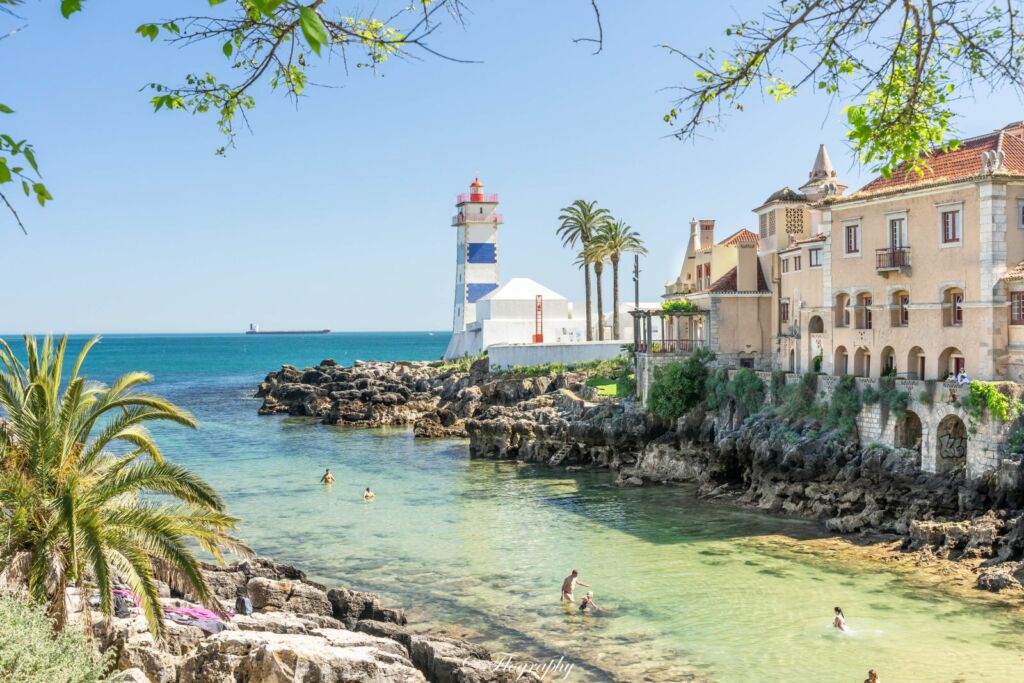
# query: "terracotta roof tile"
[[727, 283], [741, 236], [961, 163]]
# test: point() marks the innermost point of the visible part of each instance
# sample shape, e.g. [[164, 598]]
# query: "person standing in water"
[[872, 677], [368, 495], [840, 621], [569, 584], [587, 603], [328, 478]]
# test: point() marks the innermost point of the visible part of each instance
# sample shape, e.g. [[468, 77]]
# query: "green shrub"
[[926, 398], [1015, 442], [679, 305], [748, 390], [817, 362], [30, 652], [844, 407], [679, 387], [778, 386], [870, 396], [799, 400], [899, 401], [986, 396], [716, 389]]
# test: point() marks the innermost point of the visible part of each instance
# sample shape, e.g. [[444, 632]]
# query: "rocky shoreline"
[[778, 466], [299, 631]]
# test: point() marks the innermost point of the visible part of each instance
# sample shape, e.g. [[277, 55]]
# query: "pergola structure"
[[676, 343]]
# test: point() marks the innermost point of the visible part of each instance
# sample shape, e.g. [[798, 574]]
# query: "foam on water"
[[690, 591]]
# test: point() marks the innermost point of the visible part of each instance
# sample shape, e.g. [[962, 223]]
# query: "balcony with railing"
[[675, 347], [476, 197], [892, 258], [463, 218]]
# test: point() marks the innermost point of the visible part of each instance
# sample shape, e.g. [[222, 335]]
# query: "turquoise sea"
[[690, 590]]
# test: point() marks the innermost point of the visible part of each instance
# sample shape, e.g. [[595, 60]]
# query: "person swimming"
[[368, 495], [328, 478], [569, 584], [587, 603], [872, 677], [840, 621]]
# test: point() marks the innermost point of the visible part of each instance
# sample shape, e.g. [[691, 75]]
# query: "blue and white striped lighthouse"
[[476, 267]]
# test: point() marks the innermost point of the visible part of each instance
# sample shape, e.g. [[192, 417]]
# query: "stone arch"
[[815, 325], [950, 444], [841, 363], [899, 313], [888, 360], [950, 361], [792, 360], [862, 362], [916, 366], [952, 299], [842, 310], [864, 316], [909, 434]]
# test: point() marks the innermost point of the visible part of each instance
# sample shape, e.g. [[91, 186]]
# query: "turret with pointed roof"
[[823, 179]]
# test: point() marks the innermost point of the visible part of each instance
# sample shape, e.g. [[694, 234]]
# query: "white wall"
[[510, 355]]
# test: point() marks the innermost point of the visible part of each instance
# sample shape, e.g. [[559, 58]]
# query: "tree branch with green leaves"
[[899, 65]]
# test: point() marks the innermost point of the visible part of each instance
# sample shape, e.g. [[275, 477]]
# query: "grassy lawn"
[[607, 387]]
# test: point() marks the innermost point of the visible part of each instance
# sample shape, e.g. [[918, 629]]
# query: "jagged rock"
[[284, 622], [1000, 577], [325, 655], [352, 606], [132, 675], [287, 596]]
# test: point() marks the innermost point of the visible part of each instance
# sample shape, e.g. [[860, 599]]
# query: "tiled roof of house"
[[961, 163], [741, 236], [1015, 274], [727, 283]]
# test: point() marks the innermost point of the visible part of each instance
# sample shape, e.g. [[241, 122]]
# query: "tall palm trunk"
[[615, 296], [598, 269], [586, 287]]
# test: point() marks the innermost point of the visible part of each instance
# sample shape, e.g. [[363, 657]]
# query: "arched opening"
[[899, 312], [840, 366], [950, 444], [864, 317], [862, 362], [915, 363], [951, 362], [792, 360], [842, 311], [888, 359], [908, 434], [953, 307], [815, 325]]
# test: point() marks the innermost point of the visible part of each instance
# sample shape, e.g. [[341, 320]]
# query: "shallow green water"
[[691, 591]]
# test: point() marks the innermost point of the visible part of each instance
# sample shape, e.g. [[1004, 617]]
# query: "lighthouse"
[[476, 267]]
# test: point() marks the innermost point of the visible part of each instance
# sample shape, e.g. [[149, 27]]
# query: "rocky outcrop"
[[435, 398], [782, 466], [299, 631]]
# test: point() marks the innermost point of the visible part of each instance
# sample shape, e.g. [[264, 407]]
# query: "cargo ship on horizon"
[[255, 329]]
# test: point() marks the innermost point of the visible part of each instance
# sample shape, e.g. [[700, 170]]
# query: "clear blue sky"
[[336, 213]]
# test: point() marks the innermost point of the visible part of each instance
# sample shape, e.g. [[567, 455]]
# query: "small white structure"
[[511, 314]]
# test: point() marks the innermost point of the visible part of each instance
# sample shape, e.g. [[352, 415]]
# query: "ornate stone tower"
[[476, 265]]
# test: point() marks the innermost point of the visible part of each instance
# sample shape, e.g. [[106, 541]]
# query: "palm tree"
[[578, 223], [596, 254], [617, 238], [77, 470]]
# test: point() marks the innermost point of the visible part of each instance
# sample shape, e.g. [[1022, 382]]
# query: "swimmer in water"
[[368, 495], [872, 677], [569, 584], [587, 603], [840, 621], [328, 478]]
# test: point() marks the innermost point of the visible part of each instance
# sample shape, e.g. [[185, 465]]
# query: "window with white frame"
[[951, 225], [796, 263], [814, 257], [852, 238], [785, 265]]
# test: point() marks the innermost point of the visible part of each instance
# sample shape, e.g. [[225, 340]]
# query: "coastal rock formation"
[[776, 465], [299, 631], [435, 398]]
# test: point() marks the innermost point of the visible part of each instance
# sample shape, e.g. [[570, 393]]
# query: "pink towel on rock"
[[196, 613]]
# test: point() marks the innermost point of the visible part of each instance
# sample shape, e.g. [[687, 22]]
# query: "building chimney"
[[746, 268], [707, 233]]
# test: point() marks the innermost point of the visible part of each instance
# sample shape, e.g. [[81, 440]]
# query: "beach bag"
[[122, 606], [243, 605]]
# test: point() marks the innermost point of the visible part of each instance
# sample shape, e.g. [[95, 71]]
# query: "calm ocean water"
[[689, 589]]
